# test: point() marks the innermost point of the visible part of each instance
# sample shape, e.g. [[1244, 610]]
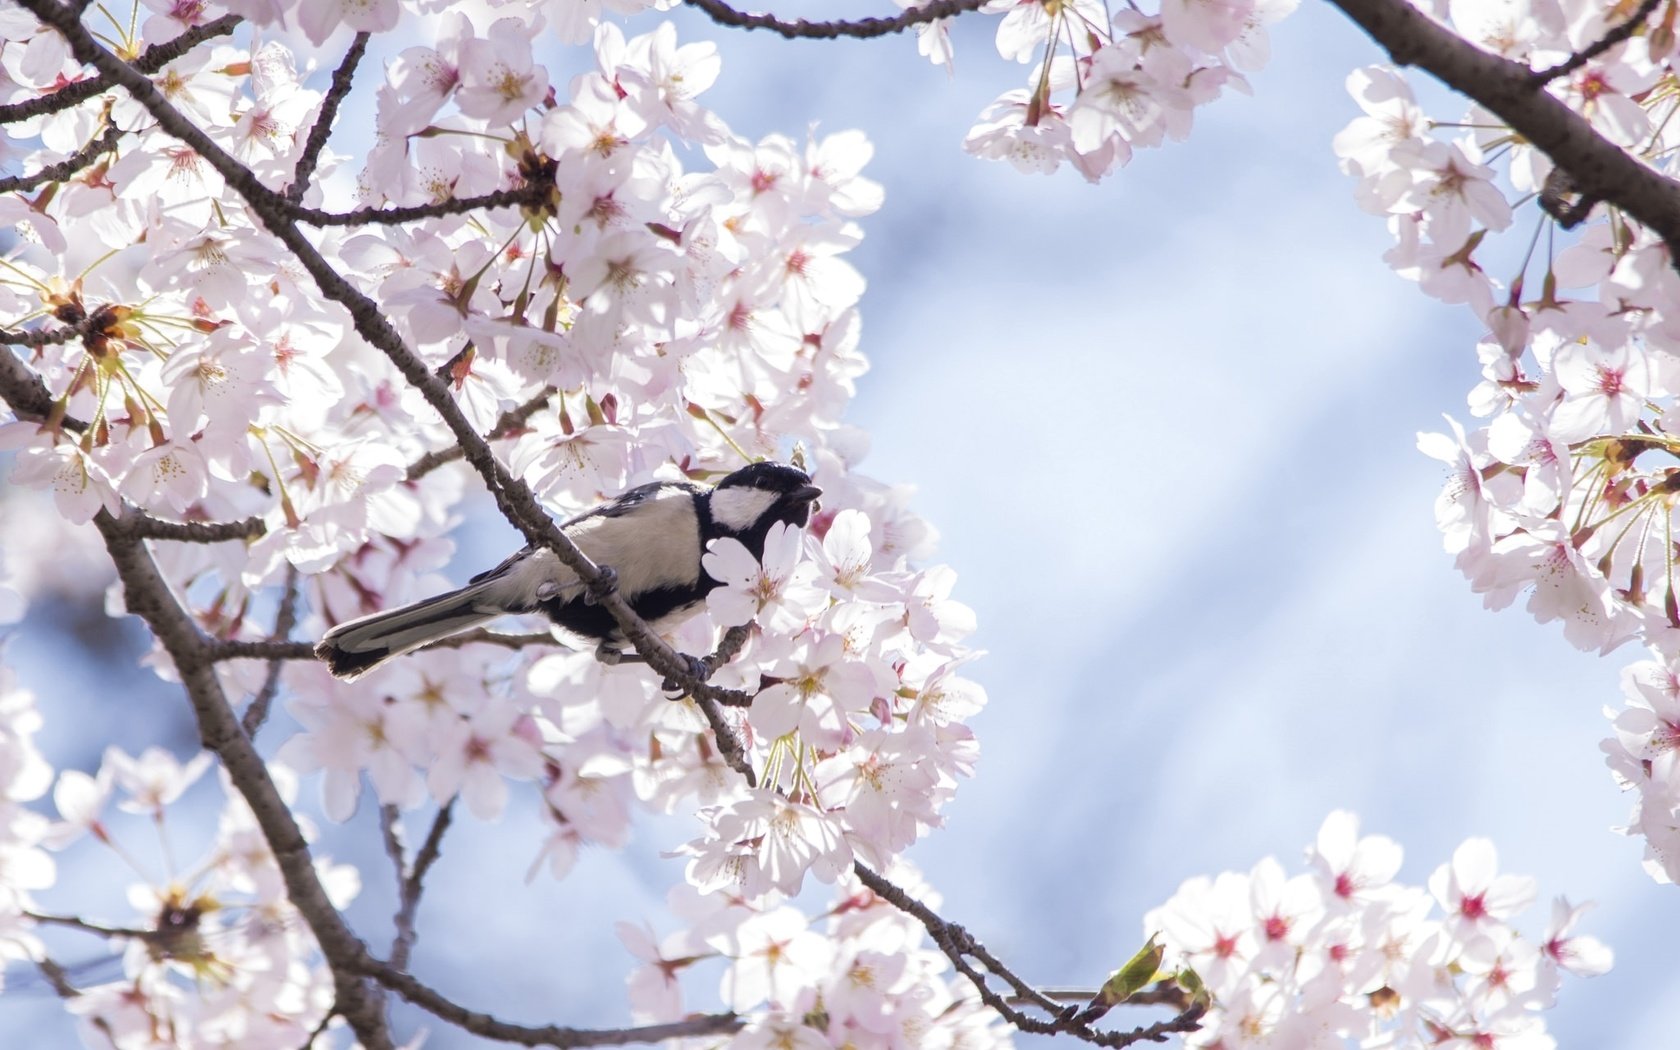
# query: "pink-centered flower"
[[779, 592]]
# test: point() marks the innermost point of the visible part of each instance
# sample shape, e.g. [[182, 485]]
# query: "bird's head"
[[755, 497]]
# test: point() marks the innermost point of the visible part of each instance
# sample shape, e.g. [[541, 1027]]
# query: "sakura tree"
[[263, 365]]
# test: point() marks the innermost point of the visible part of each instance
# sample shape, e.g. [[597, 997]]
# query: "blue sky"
[[1166, 428]]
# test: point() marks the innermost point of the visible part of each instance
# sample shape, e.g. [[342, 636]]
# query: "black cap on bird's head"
[[760, 494]]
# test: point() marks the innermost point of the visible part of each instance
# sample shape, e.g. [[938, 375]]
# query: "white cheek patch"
[[738, 509]]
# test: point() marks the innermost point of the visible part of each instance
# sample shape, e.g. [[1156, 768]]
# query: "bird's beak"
[[804, 494]]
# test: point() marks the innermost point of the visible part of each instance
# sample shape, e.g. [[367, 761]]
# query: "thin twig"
[[483, 636], [512, 421], [320, 1028], [861, 28], [74, 923], [284, 621], [428, 999], [150, 61], [58, 977], [65, 168], [416, 212], [411, 876], [271, 649], [728, 744], [1597, 47], [959, 946], [728, 647], [342, 78]]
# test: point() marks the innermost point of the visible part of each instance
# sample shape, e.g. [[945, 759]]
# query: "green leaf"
[[1132, 978]]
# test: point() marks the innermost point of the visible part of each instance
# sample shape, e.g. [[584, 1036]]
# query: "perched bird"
[[652, 536]]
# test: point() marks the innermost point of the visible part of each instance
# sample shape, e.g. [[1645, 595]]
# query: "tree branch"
[[63, 170], [1597, 47], [490, 1027], [147, 527], [150, 61], [46, 336], [959, 946], [25, 391], [284, 621], [276, 649], [1599, 168], [512, 421], [148, 596], [74, 923], [59, 978], [220, 649], [526, 194], [862, 28], [411, 876], [342, 78]]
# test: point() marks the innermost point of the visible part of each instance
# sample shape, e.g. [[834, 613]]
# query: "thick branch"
[[45, 336], [259, 649], [23, 389], [148, 596], [1599, 168], [148, 527], [862, 28]]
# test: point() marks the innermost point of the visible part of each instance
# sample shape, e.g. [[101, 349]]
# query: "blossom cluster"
[[1342, 954], [25, 867], [1644, 757], [858, 975], [668, 300], [1564, 490], [223, 922], [1105, 84], [636, 313]]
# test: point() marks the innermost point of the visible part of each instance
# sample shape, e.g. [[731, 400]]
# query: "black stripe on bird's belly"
[[594, 621]]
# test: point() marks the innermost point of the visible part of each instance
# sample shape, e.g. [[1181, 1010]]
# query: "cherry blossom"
[[666, 299], [1329, 956]]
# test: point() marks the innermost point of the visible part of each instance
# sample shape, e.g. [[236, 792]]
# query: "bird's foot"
[[697, 670], [606, 583], [612, 656]]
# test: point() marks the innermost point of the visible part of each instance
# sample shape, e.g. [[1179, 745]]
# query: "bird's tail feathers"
[[355, 647]]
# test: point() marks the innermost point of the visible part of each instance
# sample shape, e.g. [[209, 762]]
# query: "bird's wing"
[[650, 534], [653, 542]]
